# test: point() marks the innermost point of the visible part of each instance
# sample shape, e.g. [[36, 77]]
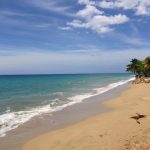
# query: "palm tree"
[[147, 66], [136, 66]]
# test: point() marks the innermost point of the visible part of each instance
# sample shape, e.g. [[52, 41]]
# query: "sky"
[[72, 36]]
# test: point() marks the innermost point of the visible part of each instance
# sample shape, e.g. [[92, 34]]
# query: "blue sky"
[[72, 36]]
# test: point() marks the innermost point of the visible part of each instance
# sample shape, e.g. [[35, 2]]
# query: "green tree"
[[135, 66], [147, 66]]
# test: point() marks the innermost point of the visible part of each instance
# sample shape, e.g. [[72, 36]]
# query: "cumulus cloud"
[[90, 17], [100, 23], [106, 4], [141, 7], [87, 2], [94, 17], [89, 11]]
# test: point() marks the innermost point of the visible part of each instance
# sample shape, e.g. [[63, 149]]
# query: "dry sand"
[[108, 131]]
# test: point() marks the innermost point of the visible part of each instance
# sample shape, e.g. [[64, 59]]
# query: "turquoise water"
[[25, 96], [24, 92]]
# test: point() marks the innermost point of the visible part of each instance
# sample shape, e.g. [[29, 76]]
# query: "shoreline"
[[113, 130], [12, 120], [60, 119]]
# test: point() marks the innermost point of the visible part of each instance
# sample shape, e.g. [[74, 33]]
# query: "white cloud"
[[140, 7], [91, 17], [142, 10], [77, 24], [89, 11], [65, 28], [87, 2], [83, 1], [94, 19], [99, 23], [106, 4], [102, 24]]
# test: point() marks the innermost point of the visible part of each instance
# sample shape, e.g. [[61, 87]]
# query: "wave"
[[12, 120], [98, 91]]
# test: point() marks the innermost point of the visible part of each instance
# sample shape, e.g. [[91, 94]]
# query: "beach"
[[112, 130], [75, 75]]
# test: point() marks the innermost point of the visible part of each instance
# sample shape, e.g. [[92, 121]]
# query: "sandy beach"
[[114, 130]]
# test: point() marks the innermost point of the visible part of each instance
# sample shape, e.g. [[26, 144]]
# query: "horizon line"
[[63, 74]]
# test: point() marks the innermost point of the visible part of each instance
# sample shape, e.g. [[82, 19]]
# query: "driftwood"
[[137, 117]]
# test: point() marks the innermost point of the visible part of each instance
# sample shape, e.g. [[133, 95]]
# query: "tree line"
[[141, 68]]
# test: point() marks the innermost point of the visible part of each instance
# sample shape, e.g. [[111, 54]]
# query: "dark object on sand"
[[137, 117]]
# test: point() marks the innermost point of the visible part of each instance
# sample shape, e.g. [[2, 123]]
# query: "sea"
[[23, 97]]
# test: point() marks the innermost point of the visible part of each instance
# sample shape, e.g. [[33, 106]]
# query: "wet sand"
[[113, 130], [60, 119]]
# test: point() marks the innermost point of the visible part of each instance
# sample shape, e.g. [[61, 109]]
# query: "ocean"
[[23, 97]]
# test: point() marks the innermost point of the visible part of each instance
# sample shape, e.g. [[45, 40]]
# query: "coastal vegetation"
[[141, 69]]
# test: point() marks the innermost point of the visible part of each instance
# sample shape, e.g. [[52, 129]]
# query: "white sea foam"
[[12, 120], [98, 91]]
